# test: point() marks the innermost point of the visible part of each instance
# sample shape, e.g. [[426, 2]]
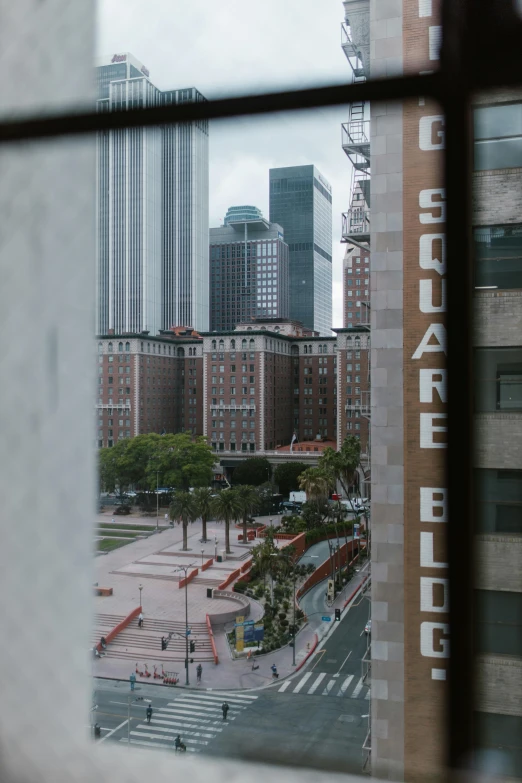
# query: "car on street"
[[292, 508], [368, 627]]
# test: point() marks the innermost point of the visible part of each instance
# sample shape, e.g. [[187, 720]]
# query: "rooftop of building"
[[309, 445]]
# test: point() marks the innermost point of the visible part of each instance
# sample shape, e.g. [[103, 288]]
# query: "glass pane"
[[498, 256]]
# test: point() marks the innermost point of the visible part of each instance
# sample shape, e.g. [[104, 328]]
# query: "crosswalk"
[[323, 684], [196, 717]]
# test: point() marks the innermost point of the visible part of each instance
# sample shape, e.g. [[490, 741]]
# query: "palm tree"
[[248, 498], [183, 509], [226, 509], [343, 464], [316, 482], [204, 498]]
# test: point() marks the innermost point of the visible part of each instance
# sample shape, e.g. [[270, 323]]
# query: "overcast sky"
[[232, 47]]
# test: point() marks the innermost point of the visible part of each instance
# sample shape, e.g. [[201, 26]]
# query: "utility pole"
[[185, 570], [157, 499]]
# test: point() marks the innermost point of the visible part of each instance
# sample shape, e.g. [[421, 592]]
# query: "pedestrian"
[[103, 643], [132, 679], [225, 709], [199, 672], [163, 643], [140, 620], [149, 713]]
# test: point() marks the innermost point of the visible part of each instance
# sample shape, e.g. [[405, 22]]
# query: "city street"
[[316, 718]]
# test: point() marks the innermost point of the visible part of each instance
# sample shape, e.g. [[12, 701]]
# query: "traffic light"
[[192, 647], [338, 615]]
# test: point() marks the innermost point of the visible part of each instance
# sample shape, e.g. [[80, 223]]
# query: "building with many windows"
[[301, 202], [152, 210], [248, 269]]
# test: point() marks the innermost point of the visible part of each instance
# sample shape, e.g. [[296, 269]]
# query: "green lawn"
[[108, 544], [117, 533], [119, 526]]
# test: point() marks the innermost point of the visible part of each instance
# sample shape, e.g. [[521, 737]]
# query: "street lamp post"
[[140, 588], [157, 500], [293, 634], [185, 571], [202, 552]]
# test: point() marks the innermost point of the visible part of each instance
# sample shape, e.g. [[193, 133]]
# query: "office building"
[[356, 286], [410, 647], [248, 269], [301, 202], [152, 210]]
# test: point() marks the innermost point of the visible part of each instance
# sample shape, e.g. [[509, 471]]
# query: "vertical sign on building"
[[425, 407]]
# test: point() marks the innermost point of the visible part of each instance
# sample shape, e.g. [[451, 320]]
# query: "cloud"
[[232, 47]]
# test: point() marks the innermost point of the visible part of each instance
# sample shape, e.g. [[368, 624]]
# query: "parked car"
[[292, 508], [121, 511], [368, 627]]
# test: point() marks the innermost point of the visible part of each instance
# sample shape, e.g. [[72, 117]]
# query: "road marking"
[[150, 735], [318, 660], [328, 688], [232, 695], [172, 719], [319, 678], [203, 717], [212, 710], [284, 686], [114, 730], [243, 703], [344, 686], [341, 666], [357, 689], [154, 744], [173, 731], [214, 704], [302, 682]]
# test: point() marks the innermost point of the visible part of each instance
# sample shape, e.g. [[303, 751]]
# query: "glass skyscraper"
[[152, 210], [301, 202]]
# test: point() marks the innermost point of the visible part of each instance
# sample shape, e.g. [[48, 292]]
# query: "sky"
[[233, 47]]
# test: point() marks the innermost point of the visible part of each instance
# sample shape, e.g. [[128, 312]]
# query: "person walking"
[[199, 672], [140, 620], [132, 679], [225, 708], [149, 713]]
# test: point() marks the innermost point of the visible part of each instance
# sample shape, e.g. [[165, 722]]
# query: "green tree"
[[253, 471], [204, 499], [286, 476], [264, 554], [248, 498], [316, 482], [343, 464], [226, 509], [183, 509]]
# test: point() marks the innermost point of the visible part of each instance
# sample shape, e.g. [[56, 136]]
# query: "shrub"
[[240, 587], [286, 606], [282, 616]]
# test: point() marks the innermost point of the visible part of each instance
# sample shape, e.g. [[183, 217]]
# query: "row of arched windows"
[[221, 345]]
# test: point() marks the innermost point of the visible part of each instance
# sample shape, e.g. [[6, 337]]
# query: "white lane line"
[[207, 705], [155, 744], [113, 731], [284, 686], [317, 682], [211, 711], [232, 695], [302, 682], [236, 702], [328, 688], [344, 686], [151, 735], [357, 689], [194, 716], [146, 726], [172, 719], [341, 666]]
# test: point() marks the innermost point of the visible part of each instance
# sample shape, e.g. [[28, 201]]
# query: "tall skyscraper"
[[152, 215], [248, 269], [301, 202]]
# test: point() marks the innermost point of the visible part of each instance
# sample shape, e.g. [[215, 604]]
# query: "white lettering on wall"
[[433, 504], [427, 594], [430, 381], [428, 430], [427, 257], [427, 551], [426, 132], [426, 297], [431, 648], [438, 331], [427, 200]]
